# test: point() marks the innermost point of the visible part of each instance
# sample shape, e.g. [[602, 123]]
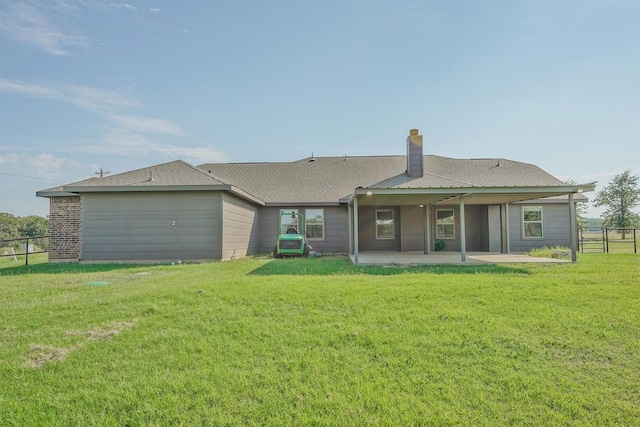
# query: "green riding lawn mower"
[[292, 241]]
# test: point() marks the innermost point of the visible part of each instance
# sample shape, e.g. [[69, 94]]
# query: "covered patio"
[[434, 258], [460, 197]]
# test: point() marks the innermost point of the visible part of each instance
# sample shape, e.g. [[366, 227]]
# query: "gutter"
[[452, 192], [72, 190]]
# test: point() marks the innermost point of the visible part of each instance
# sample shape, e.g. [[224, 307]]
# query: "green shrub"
[[561, 252]]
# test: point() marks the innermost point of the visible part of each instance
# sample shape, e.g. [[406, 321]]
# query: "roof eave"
[[143, 188], [474, 195], [294, 204], [57, 193], [75, 190], [550, 189]]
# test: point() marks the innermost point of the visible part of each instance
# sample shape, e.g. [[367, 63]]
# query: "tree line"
[[620, 198], [15, 227]]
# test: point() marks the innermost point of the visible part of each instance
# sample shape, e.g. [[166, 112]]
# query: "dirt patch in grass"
[[38, 354], [98, 333]]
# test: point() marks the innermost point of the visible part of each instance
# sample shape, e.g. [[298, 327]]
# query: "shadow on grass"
[[342, 265], [62, 268]]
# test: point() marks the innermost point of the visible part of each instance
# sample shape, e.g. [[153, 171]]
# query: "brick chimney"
[[415, 159]]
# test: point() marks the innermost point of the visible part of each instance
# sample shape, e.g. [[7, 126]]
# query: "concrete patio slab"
[[419, 258]]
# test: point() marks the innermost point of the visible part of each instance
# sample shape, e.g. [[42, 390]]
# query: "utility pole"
[[102, 172]]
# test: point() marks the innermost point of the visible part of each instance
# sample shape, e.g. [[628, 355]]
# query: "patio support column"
[[463, 236], [573, 227], [355, 229], [507, 233], [350, 219], [503, 230], [425, 225]]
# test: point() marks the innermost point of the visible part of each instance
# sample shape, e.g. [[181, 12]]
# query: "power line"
[[32, 177], [102, 173]]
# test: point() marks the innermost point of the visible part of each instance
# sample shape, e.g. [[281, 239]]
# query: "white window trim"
[[288, 211], [393, 218], [541, 223], [306, 223], [453, 214]]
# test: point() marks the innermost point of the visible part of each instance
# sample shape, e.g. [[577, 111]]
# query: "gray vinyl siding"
[[555, 227], [267, 229], [482, 242], [240, 227], [412, 228], [336, 229], [367, 230], [138, 226], [493, 229], [476, 220], [472, 227]]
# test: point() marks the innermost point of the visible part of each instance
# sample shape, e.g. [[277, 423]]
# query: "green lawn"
[[320, 342]]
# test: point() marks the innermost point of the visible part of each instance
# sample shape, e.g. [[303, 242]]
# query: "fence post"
[[635, 246], [26, 253], [581, 241], [606, 238]]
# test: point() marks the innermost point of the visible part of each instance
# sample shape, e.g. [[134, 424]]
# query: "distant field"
[[320, 342], [594, 242], [19, 259]]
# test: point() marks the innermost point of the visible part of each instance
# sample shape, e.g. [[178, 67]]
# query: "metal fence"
[[609, 240], [24, 246]]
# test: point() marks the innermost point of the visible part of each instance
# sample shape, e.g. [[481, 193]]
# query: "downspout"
[[503, 230], [506, 227], [355, 228], [350, 219]]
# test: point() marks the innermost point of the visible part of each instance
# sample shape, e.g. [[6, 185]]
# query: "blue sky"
[[89, 84]]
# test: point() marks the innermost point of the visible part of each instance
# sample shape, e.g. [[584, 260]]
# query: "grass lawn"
[[321, 342]]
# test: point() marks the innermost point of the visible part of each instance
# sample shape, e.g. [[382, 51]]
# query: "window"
[[384, 224], [314, 227], [445, 224], [532, 221], [288, 221]]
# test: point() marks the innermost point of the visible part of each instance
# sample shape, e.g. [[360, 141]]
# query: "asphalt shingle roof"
[[330, 179], [176, 173], [321, 180]]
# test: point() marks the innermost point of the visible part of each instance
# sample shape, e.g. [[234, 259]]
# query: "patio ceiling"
[[471, 196], [399, 196]]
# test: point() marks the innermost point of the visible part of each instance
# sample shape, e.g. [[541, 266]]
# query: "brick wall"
[[65, 226]]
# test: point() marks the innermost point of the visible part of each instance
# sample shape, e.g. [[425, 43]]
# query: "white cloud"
[[128, 143], [47, 161], [147, 125], [155, 10], [126, 134], [102, 101], [27, 24], [10, 158], [42, 166], [122, 6], [111, 105], [603, 174], [98, 100], [27, 89], [194, 154]]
